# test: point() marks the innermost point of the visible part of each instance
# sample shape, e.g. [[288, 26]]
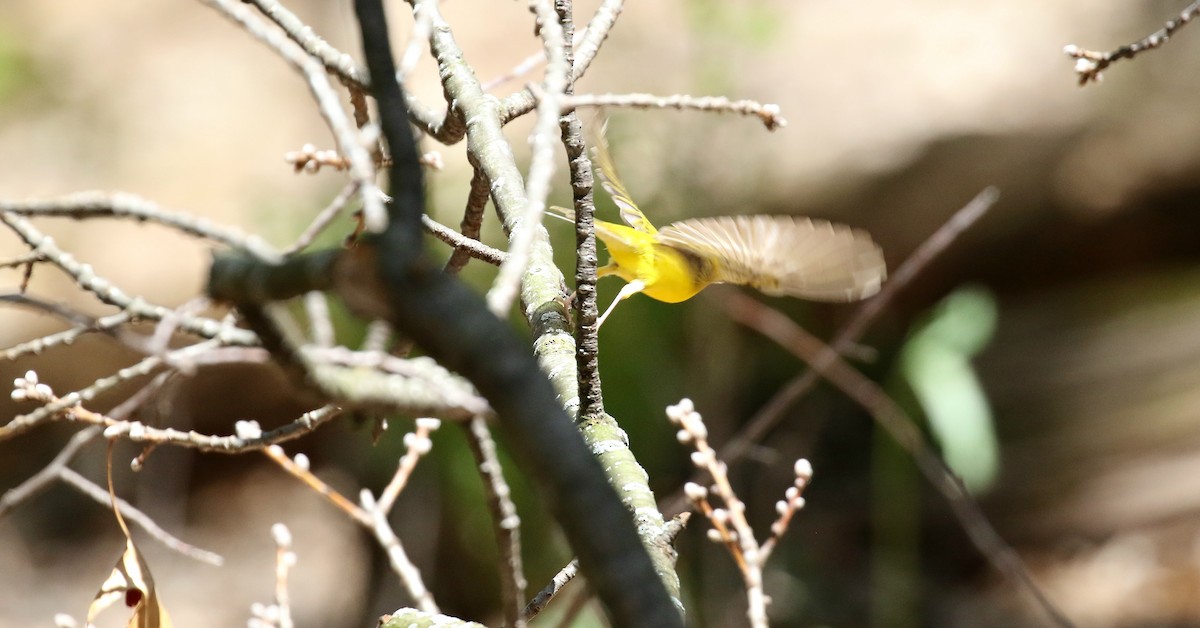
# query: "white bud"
[[428, 424], [781, 507], [31, 377], [302, 461], [694, 491], [247, 430], [714, 536], [683, 436], [281, 534], [417, 443], [803, 469]]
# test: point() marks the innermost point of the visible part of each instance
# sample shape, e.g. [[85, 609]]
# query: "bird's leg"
[[630, 289]]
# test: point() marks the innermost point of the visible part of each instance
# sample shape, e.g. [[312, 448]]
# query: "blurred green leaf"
[[936, 364]]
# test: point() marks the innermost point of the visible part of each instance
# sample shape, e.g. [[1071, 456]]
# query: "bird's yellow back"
[[670, 274]]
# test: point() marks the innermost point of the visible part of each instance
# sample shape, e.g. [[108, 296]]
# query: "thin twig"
[[729, 522], [367, 514], [557, 583], [68, 407], [86, 278], [594, 35], [447, 130], [767, 113], [587, 354], [84, 205], [468, 246], [506, 524], [299, 469], [522, 102], [472, 221], [1089, 64], [28, 259], [345, 133], [40, 481], [537, 186], [417, 41], [778, 327], [409, 575], [416, 443], [284, 560], [101, 496], [323, 219]]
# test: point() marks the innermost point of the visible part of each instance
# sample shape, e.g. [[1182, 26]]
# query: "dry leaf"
[[130, 580]]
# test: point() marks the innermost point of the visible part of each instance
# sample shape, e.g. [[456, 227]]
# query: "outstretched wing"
[[785, 255], [607, 173]]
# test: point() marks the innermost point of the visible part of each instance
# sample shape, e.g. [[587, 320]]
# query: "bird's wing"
[[785, 255], [611, 182]]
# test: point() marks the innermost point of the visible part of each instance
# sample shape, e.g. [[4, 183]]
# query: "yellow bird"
[[777, 255]]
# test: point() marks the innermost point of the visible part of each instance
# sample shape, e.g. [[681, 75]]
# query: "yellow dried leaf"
[[131, 583], [130, 580]]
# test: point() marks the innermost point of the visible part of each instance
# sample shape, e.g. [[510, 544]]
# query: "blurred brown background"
[[898, 114]]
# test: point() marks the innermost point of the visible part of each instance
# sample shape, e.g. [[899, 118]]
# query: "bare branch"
[[594, 35], [417, 443], [448, 131], [560, 580], [101, 496], [1089, 64], [42, 480], [386, 537], [104, 290], [524, 228], [506, 524], [471, 223], [350, 144], [464, 245], [323, 219], [768, 114], [83, 205]]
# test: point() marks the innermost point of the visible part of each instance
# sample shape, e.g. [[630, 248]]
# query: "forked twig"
[[1089, 64]]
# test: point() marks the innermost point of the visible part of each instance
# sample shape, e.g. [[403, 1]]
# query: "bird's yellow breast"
[[671, 275]]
